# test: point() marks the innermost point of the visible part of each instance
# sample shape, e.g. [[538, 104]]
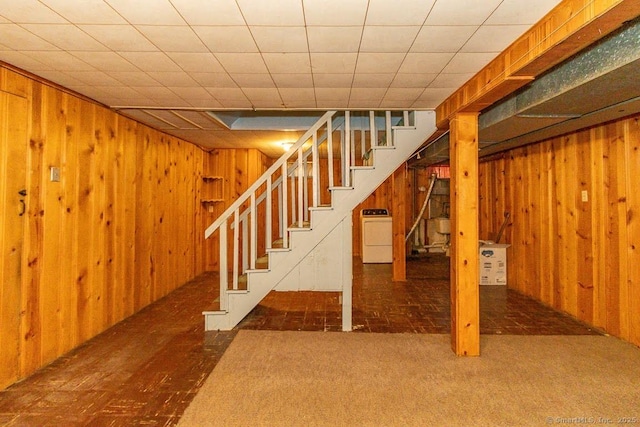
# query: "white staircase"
[[278, 222]]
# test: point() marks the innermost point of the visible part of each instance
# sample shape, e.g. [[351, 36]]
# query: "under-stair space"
[[292, 229]]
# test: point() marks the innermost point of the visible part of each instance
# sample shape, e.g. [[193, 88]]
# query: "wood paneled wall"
[[575, 222], [121, 229]]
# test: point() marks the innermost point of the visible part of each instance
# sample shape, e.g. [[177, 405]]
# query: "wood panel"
[[575, 230], [118, 231], [13, 155]]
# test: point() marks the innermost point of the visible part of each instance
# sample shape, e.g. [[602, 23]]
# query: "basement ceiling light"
[[266, 120]]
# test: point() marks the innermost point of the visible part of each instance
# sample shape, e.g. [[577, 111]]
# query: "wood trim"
[[399, 203]]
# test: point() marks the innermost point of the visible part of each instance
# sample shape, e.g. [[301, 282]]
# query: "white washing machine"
[[376, 236]]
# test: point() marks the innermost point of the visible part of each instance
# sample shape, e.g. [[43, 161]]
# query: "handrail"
[[263, 178], [292, 168]]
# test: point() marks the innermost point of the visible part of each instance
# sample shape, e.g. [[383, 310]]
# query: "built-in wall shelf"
[[212, 191]]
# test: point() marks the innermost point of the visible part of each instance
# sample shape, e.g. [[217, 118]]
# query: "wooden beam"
[[465, 311], [399, 200], [568, 28]]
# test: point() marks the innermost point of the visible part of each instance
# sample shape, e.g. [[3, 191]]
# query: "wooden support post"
[[465, 301], [399, 186]]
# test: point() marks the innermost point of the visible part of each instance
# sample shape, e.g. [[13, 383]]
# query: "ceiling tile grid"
[[248, 54]]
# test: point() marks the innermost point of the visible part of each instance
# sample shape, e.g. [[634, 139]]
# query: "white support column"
[[372, 129], [346, 161], [330, 152], [347, 272], [285, 201], [387, 122], [315, 160], [300, 188]]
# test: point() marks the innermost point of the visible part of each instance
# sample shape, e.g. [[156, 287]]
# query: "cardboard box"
[[493, 264]]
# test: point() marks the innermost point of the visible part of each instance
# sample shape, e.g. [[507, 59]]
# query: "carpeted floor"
[[272, 378]]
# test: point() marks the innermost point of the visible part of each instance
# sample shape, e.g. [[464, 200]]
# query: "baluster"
[[363, 142], [224, 279], [236, 231], [347, 149], [314, 167], [405, 118], [254, 232], [387, 117], [300, 189], [294, 210], [245, 245], [268, 214], [330, 151], [283, 207], [372, 129]]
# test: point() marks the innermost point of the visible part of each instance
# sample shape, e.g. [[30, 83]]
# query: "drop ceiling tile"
[[297, 80], [29, 11], [151, 61], [207, 12], [106, 61], [191, 92], [301, 104], [262, 94], [357, 104], [364, 94], [297, 94], [233, 104], [267, 104], [430, 63], [63, 61], [398, 12], [431, 98], [388, 39], [450, 80], [403, 94], [280, 39], [66, 37], [20, 39], [173, 78], [173, 38], [341, 63], [133, 78], [147, 12], [333, 94], [413, 80], [253, 80], [4, 20], [468, 62], [61, 78], [203, 62], [94, 78], [372, 80], [226, 93], [379, 63], [445, 38], [461, 12], [272, 12], [334, 39], [393, 104], [123, 38], [90, 12], [329, 80], [323, 12], [283, 63], [222, 80], [494, 38], [331, 104], [524, 12], [23, 61], [242, 62], [207, 104], [227, 39]]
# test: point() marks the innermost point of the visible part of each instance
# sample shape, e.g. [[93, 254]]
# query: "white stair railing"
[[301, 179]]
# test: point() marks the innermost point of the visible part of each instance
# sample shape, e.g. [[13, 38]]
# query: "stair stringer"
[[407, 139]]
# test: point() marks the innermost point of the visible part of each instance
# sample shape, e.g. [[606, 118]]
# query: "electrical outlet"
[[585, 196], [55, 174]]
